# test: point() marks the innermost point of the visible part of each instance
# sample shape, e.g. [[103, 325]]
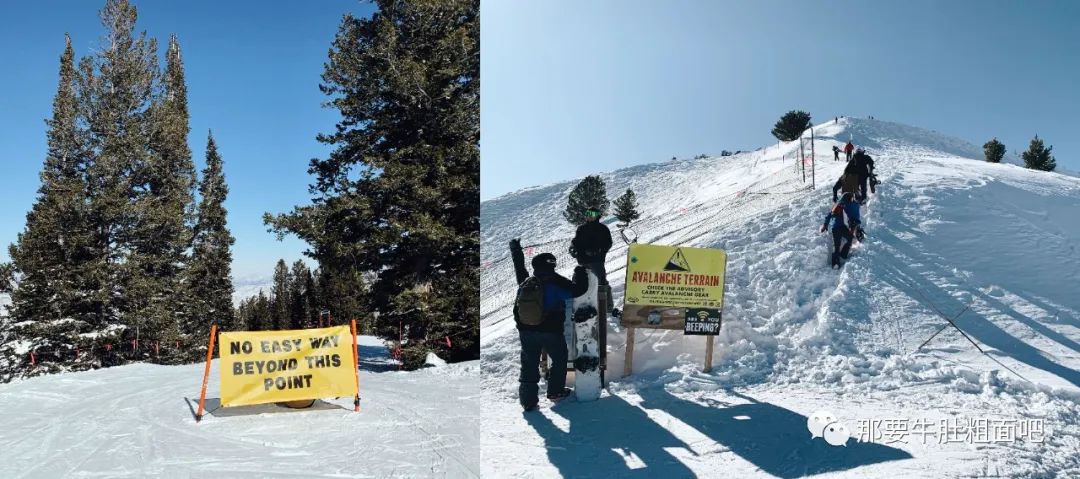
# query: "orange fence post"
[[206, 373], [355, 366]]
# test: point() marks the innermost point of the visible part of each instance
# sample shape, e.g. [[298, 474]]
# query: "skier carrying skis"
[[591, 244], [845, 227], [835, 153], [848, 149], [539, 312]]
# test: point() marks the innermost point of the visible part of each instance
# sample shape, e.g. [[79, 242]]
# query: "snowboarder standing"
[[539, 311], [845, 227], [848, 149], [591, 244]]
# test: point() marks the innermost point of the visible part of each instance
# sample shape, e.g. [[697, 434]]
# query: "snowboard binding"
[[585, 313], [586, 363]]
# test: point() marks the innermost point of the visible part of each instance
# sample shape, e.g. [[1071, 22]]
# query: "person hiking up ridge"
[[848, 149], [540, 312], [844, 216], [862, 165], [847, 183], [835, 153]]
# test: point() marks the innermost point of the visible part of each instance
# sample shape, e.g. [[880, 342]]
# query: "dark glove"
[[515, 244], [822, 230], [859, 234], [579, 269]]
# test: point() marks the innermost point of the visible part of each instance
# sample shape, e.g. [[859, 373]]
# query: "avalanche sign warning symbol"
[[677, 262], [660, 276]]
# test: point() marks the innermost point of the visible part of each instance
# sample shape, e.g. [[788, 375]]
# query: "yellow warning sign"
[[271, 366], [675, 276]]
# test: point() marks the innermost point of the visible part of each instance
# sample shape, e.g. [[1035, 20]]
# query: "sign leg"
[[206, 373], [708, 353], [628, 362]]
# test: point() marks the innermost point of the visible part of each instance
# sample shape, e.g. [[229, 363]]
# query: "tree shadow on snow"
[[774, 439], [902, 276], [376, 359], [213, 408], [770, 437]]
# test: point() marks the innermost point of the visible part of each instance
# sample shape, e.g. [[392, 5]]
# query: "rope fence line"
[[139, 346], [777, 184]]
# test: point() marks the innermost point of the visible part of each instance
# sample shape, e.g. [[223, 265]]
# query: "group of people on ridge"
[[845, 214], [539, 309]]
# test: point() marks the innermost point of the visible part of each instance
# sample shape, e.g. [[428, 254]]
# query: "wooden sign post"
[[673, 288]]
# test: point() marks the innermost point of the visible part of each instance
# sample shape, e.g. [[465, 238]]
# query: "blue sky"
[[252, 71], [573, 88]]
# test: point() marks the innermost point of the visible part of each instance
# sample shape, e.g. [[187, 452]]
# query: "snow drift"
[[948, 234]]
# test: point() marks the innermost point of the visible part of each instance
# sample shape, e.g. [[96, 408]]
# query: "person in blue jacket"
[[548, 335], [846, 224]]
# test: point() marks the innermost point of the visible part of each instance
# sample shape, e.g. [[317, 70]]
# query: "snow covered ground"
[[947, 233], [138, 421]]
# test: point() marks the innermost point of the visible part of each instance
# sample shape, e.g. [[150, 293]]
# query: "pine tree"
[[399, 196], [279, 297], [49, 255], [589, 193], [995, 150], [312, 299], [626, 207], [791, 126], [128, 300], [209, 273], [260, 319], [163, 231], [1038, 157], [7, 277], [299, 278]]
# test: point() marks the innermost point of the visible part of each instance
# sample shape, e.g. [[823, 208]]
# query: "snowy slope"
[[137, 421], [249, 286], [946, 232]]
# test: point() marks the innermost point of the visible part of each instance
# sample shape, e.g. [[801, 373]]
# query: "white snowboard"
[[586, 322]]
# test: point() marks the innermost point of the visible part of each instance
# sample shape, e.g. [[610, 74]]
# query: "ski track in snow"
[[944, 233], [136, 421]]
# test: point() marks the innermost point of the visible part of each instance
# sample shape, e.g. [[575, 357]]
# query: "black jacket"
[[557, 289], [591, 242], [861, 164]]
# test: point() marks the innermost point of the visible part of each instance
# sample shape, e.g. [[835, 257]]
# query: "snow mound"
[[434, 360], [991, 245]]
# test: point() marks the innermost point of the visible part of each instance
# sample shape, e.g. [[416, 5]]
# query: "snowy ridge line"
[[757, 198], [661, 219]]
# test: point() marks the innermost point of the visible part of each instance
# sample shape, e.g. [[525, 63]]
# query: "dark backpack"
[[530, 301]]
